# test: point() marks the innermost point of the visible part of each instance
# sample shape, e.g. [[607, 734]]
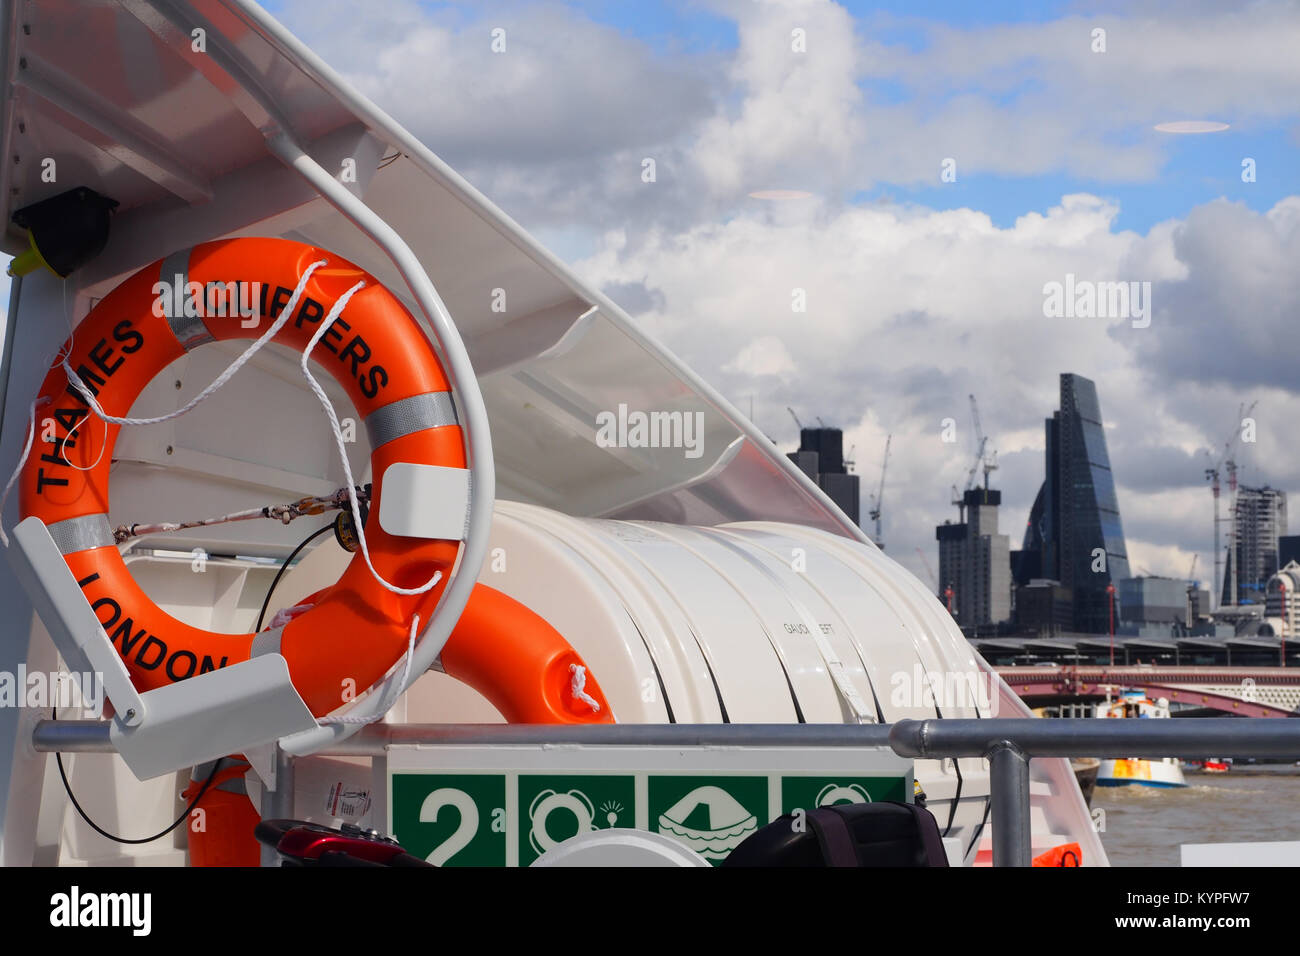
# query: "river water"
[[1145, 826]]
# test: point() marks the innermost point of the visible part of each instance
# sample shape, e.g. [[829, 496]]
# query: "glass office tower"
[[1074, 527]]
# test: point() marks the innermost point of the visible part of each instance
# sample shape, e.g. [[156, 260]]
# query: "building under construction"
[[975, 563], [821, 458], [1258, 524]]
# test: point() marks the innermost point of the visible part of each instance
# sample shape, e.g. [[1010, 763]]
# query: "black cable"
[[58, 757], [284, 567]]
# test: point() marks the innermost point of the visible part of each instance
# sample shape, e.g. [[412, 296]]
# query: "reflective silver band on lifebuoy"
[[175, 274], [408, 415], [267, 642], [81, 534]]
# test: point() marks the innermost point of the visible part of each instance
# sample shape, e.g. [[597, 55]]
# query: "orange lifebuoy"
[[357, 629]]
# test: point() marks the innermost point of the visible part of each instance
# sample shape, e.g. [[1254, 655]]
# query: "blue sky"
[[920, 292], [1186, 170]]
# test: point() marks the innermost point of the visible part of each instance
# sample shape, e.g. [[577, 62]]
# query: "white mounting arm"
[[178, 725]]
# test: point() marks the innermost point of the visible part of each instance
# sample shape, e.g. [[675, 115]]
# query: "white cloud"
[[910, 309], [556, 127], [762, 357]]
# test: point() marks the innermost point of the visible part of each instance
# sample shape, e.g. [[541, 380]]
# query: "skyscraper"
[[821, 458], [1259, 521], [1074, 529], [975, 561]]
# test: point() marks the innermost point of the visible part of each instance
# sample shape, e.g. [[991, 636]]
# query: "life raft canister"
[[380, 356]]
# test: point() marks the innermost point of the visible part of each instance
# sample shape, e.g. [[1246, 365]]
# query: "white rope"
[[342, 449], [95, 408], [62, 356], [398, 687], [22, 460], [578, 687], [287, 614], [217, 383]]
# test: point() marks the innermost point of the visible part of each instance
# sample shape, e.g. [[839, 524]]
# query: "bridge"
[[1241, 691]]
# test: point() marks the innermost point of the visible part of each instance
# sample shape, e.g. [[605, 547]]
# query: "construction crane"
[[929, 570], [1188, 616], [1226, 462], [988, 462], [798, 423], [878, 497], [1230, 464]]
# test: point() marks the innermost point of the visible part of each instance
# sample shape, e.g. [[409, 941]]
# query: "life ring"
[[357, 630]]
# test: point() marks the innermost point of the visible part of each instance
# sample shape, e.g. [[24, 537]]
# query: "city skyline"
[[921, 281], [918, 291]]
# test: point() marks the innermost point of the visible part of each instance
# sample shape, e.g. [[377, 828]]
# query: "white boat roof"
[[173, 135]]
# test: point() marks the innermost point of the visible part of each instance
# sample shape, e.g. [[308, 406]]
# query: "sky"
[[957, 158]]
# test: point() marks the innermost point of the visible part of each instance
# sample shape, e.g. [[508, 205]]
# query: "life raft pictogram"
[[356, 629]]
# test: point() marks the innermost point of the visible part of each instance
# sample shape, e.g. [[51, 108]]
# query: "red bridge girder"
[[1074, 682]]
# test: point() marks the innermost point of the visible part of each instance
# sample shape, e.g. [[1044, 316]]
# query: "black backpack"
[[855, 834]]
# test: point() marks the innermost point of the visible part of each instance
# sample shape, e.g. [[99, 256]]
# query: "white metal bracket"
[[424, 501], [171, 727]]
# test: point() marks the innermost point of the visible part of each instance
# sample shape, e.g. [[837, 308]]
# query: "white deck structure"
[[115, 92]]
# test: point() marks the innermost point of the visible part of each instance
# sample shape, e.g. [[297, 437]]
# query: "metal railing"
[[1009, 744]]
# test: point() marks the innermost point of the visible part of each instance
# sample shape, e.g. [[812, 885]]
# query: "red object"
[[222, 834], [1110, 594], [312, 843], [1067, 854]]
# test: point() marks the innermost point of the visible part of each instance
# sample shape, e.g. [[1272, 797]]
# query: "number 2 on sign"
[[460, 838]]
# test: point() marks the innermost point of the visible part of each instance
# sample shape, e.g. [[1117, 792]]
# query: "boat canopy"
[[173, 119]]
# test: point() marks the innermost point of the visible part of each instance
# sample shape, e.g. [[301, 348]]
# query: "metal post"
[[10, 334], [278, 803], [1009, 786]]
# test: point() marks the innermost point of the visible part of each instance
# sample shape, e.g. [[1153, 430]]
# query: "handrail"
[[1009, 745], [1089, 737], [91, 736]]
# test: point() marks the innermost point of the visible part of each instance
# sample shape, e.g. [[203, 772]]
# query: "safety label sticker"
[[507, 805]]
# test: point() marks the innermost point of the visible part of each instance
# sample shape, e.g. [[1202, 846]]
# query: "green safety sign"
[[451, 819], [554, 808], [506, 805], [808, 792], [712, 814]]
